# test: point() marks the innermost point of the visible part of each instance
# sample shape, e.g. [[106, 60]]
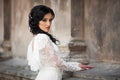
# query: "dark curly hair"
[[36, 14]]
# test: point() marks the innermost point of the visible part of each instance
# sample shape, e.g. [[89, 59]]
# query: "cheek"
[[41, 25]]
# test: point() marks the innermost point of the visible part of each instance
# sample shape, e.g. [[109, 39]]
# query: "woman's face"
[[45, 23]]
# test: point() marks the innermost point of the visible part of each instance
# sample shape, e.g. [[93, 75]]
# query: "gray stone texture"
[[87, 29], [17, 69], [102, 21]]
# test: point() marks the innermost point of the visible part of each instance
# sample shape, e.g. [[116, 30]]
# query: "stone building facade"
[[87, 29]]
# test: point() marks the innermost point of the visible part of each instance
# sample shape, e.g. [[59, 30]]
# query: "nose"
[[48, 23]]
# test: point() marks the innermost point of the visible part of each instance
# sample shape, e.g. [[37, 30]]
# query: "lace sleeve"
[[33, 56], [49, 54]]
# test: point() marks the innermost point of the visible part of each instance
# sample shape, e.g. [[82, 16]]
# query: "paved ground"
[[17, 69]]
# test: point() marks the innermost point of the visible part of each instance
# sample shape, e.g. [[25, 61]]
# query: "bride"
[[43, 54]]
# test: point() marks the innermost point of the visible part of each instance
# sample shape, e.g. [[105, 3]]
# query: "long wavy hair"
[[36, 14]]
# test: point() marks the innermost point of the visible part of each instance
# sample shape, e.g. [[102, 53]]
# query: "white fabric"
[[44, 56]]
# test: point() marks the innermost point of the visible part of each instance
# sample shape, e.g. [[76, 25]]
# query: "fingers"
[[86, 67], [90, 67]]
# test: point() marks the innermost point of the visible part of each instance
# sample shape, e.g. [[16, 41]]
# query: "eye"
[[50, 20], [44, 20]]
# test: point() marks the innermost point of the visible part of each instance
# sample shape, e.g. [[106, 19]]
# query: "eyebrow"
[[48, 18]]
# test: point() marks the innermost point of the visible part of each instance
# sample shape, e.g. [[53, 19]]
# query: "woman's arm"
[[51, 54]]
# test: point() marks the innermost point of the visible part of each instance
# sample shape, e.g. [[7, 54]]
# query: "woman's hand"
[[85, 67]]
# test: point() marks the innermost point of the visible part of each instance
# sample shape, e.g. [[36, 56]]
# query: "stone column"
[[77, 44], [5, 45], [1, 21], [1, 26]]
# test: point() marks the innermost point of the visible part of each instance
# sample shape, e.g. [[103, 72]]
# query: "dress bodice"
[[42, 52]]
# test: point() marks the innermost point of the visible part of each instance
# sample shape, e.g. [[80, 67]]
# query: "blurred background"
[[88, 30]]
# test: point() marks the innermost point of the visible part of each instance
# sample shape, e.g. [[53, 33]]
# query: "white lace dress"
[[43, 56]]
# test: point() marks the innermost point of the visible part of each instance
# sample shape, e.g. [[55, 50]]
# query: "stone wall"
[[20, 35], [102, 30], [20, 31], [98, 24]]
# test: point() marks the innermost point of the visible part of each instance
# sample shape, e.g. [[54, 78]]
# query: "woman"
[[43, 54]]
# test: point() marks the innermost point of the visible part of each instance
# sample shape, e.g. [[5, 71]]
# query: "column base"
[[5, 51], [78, 51]]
